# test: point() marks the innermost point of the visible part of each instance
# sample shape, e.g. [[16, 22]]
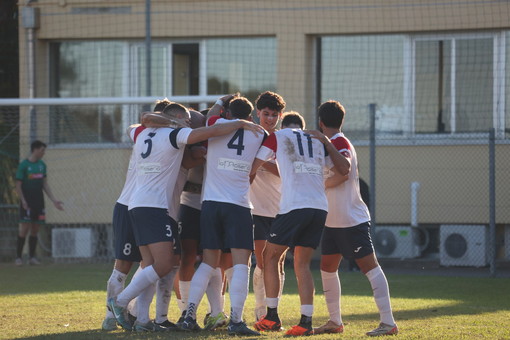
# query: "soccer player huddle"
[[215, 186]]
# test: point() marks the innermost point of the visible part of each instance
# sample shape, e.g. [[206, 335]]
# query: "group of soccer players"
[[219, 185]]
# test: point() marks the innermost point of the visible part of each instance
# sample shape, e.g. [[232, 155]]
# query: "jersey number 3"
[[236, 142], [148, 141]]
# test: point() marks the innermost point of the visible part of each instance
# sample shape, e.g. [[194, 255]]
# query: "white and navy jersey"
[[129, 184], [301, 160], [346, 208], [228, 166], [265, 193], [158, 155], [194, 199]]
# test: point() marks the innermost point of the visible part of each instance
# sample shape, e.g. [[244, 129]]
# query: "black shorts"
[[124, 239], [262, 226], [300, 227], [189, 223], [225, 225], [152, 225], [352, 243], [36, 212]]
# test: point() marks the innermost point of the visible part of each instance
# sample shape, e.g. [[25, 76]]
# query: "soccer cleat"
[[329, 327], [240, 328], [33, 261], [299, 330], [109, 324], [384, 329], [217, 321], [181, 319], [189, 325], [206, 318], [170, 326], [148, 327], [265, 324], [120, 314], [260, 312], [18, 262]]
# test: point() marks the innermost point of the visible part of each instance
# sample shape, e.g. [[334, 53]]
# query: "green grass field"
[[60, 301]]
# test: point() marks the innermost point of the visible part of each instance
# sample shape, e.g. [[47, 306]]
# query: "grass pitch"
[[64, 301]]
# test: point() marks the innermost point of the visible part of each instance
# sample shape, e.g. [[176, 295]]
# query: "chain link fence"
[[439, 198]]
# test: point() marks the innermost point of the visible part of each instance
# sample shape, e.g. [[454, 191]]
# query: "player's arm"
[[341, 163], [335, 180], [193, 156], [257, 163], [272, 168], [20, 194], [154, 120], [203, 133], [46, 187], [218, 109]]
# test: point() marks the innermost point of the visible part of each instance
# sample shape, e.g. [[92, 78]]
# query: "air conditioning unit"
[[397, 242], [463, 245], [67, 242]]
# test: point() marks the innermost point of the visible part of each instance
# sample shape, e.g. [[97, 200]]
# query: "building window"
[[118, 69], [246, 65], [86, 69], [441, 84], [360, 70]]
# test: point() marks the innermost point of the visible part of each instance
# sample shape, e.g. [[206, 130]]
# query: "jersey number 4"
[[236, 142], [148, 141]]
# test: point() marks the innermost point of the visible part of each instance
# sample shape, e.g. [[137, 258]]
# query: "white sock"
[[181, 304], [282, 283], [132, 304], [213, 291], [381, 294], [307, 310], [272, 302], [114, 286], [197, 288], [146, 277], [259, 288], [238, 291], [164, 288], [143, 303], [184, 290], [332, 294]]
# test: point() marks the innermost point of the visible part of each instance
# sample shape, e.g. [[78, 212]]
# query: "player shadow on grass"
[[120, 334]]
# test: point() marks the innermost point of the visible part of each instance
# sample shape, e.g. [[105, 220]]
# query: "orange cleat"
[[299, 331], [265, 324]]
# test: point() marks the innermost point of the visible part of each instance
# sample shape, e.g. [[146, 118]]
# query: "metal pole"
[[492, 200], [148, 50], [31, 81], [371, 108]]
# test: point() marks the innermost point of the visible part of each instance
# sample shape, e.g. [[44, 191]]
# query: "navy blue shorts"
[[225, 225], [300, 227], [189, 223], [36, 212], [262, 226], [124, 238], [153, 225], [352, 243]]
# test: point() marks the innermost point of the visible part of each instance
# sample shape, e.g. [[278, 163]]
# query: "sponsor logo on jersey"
[[36, 176], [149, 168], [234, 165], [307, 168]]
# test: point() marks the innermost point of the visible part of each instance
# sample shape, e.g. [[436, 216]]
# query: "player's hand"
[[318, 135], [250, 126], [25, 206], [227, 98], [59, 205]]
